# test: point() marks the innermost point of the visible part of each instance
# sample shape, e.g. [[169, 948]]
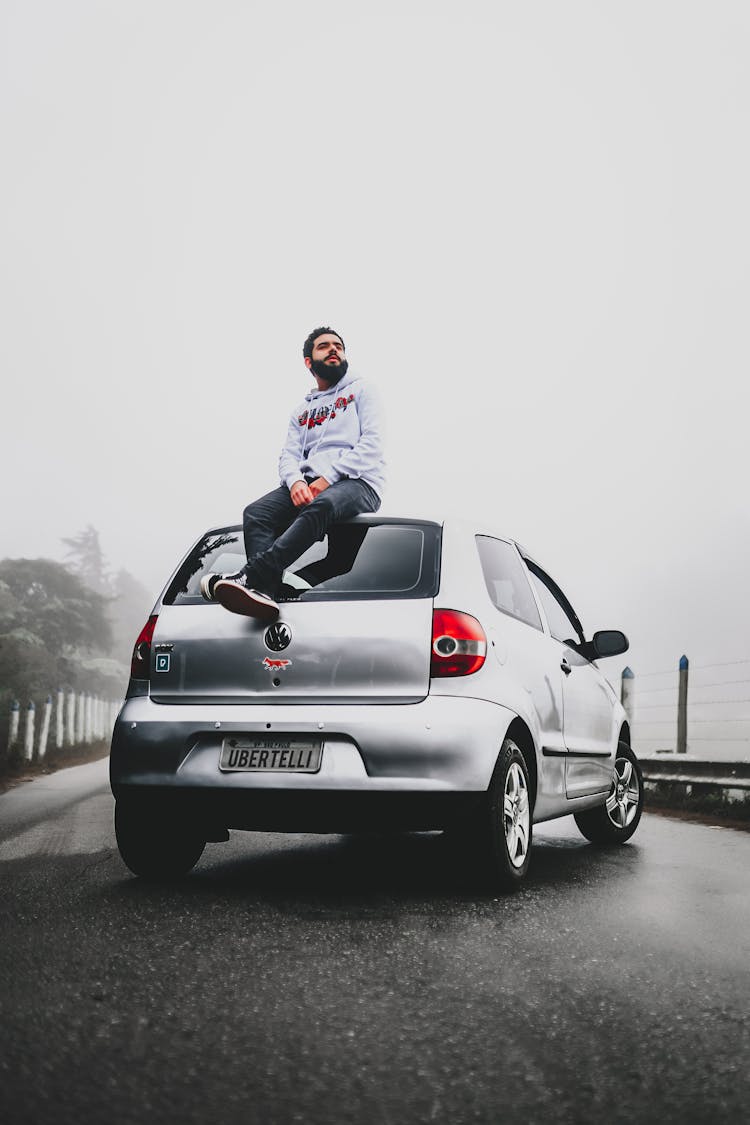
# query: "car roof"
[[457, 525], [366, 518]]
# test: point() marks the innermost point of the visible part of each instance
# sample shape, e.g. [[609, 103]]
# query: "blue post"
[[682, 698], [626, 691], [15, 716]]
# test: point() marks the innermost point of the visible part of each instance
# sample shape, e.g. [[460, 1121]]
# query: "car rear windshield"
[[355, 561]]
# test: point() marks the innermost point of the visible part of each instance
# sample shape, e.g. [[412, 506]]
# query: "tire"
[[505, 835], [615, 821], [154, 845]]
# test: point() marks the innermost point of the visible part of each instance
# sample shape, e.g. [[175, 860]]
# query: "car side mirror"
[[605, 642], [609, 642]]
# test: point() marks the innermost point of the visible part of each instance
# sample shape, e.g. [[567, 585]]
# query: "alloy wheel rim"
[[516, 815], [623, 800]]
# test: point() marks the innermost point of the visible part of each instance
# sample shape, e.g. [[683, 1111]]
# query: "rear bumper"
[[437, 747], [311, 810]]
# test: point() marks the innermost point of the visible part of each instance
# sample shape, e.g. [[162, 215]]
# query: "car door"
[[588, 700]]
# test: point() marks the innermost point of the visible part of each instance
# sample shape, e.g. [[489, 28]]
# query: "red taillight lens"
[[141, 661], [459, 644]]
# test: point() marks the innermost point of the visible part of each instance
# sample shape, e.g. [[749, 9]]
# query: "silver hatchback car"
[[421, 676]]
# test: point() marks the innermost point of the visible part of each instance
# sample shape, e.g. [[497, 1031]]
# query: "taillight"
[[141, 660], [459, 644]]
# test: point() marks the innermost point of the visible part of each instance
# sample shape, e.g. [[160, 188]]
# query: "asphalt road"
[[335, 979]]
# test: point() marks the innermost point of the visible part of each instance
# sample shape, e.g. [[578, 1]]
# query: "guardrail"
[[696, 771], [693, 784]]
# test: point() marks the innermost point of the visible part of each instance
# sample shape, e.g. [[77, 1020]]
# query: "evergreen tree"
[[128, 609], [87, 560], [54, 633]]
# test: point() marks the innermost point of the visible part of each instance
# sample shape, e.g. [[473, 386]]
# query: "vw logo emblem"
[[277, 636]]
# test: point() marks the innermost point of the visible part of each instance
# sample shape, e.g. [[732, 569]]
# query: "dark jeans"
[[276, 533]]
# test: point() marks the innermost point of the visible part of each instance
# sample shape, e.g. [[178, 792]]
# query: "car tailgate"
[[338, 651]]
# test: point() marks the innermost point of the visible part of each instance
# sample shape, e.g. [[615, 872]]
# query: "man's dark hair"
[[307, 347]]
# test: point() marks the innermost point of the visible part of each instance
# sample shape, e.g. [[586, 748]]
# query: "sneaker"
[[207, 583], [233, 592]]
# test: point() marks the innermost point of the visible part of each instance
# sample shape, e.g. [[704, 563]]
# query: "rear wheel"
[[615, 821], [153, 844], [506, 834]]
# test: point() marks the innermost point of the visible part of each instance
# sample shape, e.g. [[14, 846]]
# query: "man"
[[331, 468]]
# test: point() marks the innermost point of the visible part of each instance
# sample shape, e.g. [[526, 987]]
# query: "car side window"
[[561, 624], [506, 581]]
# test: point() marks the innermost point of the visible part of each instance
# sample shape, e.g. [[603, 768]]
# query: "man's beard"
[[330, 372]]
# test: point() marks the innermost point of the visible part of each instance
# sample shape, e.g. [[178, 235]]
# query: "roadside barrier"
[[677, 781], [65, 720], [694, 771]]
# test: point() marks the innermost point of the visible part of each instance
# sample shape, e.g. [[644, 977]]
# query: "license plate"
[[260, 755]]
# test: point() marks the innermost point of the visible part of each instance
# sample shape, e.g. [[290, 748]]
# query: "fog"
[[529, 222]]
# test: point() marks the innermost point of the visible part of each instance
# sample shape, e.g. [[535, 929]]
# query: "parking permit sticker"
[[163, 660]]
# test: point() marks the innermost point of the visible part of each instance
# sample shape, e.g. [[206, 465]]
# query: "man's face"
[[328, 360]]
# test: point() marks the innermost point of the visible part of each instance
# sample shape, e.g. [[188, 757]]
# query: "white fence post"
[[78, 719], [80, 716], [70, 725], [44, 732], [28, 742], [15, 715], [59, 718], [87, 738]]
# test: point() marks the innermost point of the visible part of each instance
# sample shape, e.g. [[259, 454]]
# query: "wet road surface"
[[336, 979]]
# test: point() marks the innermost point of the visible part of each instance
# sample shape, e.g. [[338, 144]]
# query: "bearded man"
[[331, 468]]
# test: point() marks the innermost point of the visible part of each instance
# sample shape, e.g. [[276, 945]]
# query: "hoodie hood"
[[334, 389]]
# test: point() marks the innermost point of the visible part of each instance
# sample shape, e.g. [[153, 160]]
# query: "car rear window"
[[355, 561]]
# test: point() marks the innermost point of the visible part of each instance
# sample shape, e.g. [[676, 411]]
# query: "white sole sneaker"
[[239, 599], [205, 586]]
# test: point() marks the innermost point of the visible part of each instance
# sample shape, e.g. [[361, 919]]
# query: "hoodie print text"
[[312, 418]]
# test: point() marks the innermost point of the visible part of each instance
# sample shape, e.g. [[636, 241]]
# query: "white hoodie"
[[336, 433]]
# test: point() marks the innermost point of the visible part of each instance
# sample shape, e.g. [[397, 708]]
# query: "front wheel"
[[153, 844], [615, 821]]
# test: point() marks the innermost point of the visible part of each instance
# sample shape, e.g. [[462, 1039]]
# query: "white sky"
[[529, 221]]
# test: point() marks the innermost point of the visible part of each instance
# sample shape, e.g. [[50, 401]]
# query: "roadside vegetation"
[[698, 802], [64, 626]]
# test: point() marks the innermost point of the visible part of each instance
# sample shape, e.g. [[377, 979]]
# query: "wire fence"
[[715, 710]]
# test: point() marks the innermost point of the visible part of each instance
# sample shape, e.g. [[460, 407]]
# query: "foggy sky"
[[529, 222]]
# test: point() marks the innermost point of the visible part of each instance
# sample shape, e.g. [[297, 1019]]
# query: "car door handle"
[[565, 666]]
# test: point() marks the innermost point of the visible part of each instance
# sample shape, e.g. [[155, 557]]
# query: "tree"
[[128, 609], [87, 560], [43, 598]]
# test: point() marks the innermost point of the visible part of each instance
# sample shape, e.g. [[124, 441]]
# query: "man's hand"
[[318, 486], [301, 494]]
